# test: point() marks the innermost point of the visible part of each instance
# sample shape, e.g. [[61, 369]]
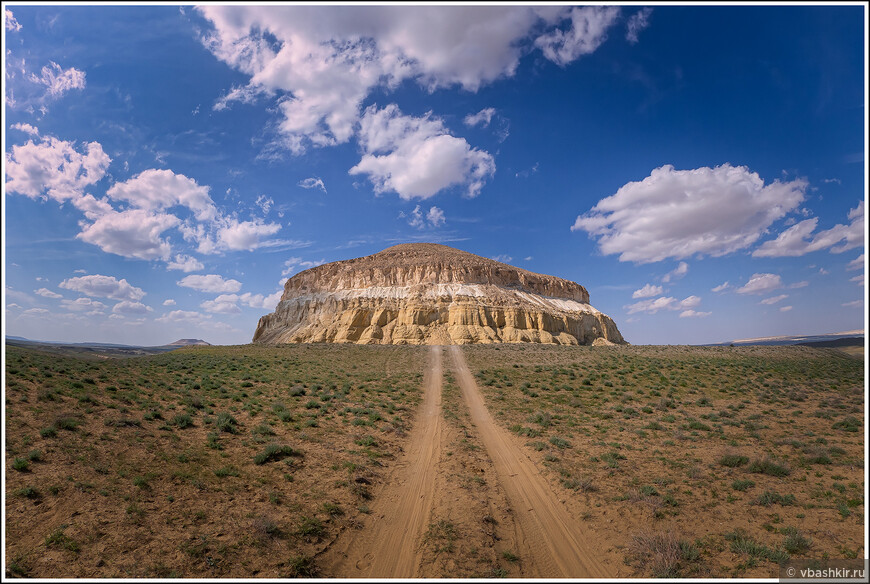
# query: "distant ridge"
[[103, 350], [797, 339]]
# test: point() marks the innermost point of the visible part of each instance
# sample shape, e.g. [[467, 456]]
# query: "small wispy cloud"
[[312, 183], [636, 23], [482, 118], [681, 270]]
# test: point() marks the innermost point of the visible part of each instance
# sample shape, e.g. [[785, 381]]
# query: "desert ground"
[[484, 461]]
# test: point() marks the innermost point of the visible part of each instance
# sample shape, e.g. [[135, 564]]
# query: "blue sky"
[[700, 169]]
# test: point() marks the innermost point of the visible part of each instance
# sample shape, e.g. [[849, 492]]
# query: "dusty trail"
[[387, 546], [552, 542]]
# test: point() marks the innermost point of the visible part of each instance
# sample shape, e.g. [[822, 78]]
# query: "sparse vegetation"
[[761, 438], [168, 443], [667, 435]]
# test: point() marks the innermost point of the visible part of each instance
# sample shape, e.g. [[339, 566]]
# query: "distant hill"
[[102, 350], [801, 339], [836, 343]]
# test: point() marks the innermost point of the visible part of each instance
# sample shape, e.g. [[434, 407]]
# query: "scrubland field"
[[694, 461], [278, 461]]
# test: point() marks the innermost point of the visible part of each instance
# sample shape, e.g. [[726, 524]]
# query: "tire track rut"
[[551, 539]]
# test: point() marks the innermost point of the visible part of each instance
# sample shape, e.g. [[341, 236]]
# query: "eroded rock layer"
[[426, 293]]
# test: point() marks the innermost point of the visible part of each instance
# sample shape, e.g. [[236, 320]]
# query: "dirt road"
[[537, 526], [550, 539], [387, 547]]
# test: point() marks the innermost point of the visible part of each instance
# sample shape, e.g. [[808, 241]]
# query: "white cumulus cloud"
[[721, 287], [417, 157], [10, 22], [647, 291], [127, 307], [679, 213], [210, 283], [785, 308], [321, 62], [184, 263], [652, 306], [83, 304], [799, 239], [856, 264], [761, 284], [26, 128], [435, 216], [104, 287], [694, 314], [223, 304], [45, 292], [156, 190], [54, 168], [588, 30], [133, 233], [244, 235]]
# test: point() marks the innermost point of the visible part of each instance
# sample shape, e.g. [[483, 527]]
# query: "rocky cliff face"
[[432, 294]]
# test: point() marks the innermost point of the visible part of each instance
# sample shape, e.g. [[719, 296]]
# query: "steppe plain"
[[478, 461]]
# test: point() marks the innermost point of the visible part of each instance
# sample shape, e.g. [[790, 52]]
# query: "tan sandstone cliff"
[[425, 293]]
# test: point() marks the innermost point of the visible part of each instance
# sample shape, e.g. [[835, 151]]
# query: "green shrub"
[[301, 567], [226, 423], [182, 421], [310, 526], [733, 460], [366, 440], [28, 492], [559, 442], [21, 464], [332, 509], [742, 544], [59, 539], [67, 423], [275, 452], [848, 424], [742, 485], [227, 471], [769, 467], [795, 542]]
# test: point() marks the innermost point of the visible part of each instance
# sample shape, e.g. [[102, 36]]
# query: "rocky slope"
[[425, 293]]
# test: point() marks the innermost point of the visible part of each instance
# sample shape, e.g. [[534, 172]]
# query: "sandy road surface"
[[551, 539], [387, 546]]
